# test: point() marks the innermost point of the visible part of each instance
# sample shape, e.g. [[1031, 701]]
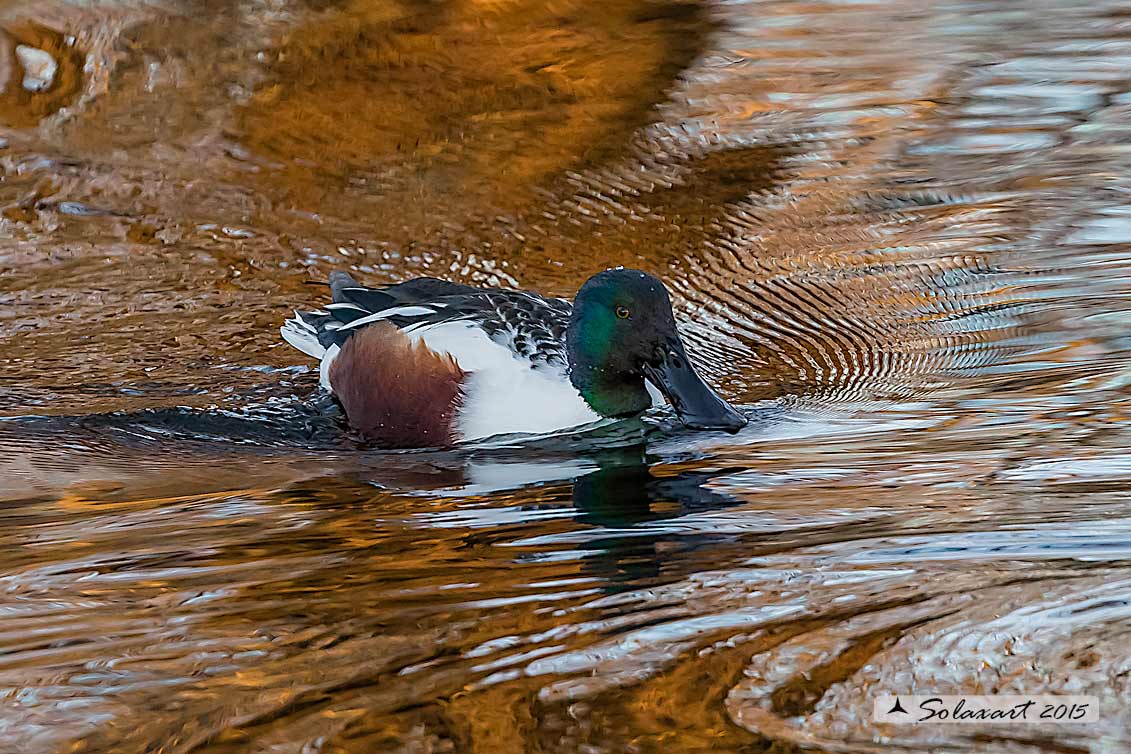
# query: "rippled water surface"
[[897, 233]]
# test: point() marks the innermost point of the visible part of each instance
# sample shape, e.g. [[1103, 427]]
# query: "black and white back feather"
[[531, 326]]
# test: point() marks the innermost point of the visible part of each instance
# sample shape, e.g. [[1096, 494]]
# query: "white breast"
[[504, 392]]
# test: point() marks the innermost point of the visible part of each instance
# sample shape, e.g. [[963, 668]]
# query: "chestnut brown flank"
[[395, 392]]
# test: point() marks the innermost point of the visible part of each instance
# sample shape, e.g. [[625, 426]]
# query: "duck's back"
[[429, 362]]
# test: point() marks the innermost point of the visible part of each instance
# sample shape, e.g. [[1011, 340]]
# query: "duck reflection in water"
[[624, 494]]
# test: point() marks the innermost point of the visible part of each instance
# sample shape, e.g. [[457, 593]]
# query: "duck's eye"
[[623, 312]]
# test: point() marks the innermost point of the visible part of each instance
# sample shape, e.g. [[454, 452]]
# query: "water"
[[897, 234]]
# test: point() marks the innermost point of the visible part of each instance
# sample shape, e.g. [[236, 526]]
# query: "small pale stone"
[[39, 67]]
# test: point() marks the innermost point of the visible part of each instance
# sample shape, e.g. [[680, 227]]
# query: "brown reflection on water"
[[896, 232], [449, 101], [28, 96]]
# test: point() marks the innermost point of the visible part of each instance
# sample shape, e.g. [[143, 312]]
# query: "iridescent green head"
[[622, 333]]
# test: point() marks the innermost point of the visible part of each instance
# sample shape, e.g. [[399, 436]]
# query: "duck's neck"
[[609, 384]]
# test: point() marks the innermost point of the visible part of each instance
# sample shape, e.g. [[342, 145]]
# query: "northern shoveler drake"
[[430, 363]]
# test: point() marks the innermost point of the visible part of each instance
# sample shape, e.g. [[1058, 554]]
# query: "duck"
[[430, 363]]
